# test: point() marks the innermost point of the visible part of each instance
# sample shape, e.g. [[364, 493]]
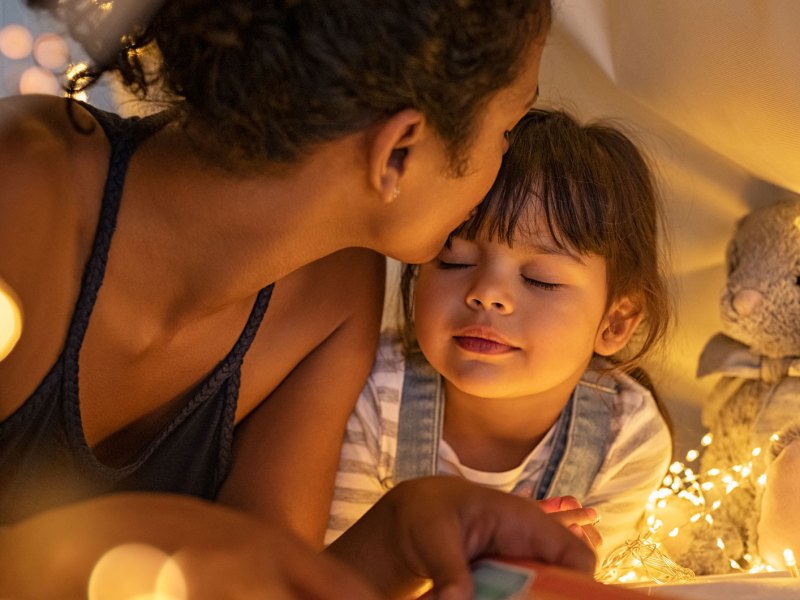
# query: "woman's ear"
[[618, 325], [390, 149]]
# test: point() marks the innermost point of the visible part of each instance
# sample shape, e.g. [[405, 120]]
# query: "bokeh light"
[[16, 41], [10, 320], [36, 80], [136, 572], [51, 51]]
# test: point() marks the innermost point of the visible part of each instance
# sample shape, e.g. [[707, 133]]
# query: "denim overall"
[[583, 431]]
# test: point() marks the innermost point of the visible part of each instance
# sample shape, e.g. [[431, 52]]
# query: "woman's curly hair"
[[267, 79]]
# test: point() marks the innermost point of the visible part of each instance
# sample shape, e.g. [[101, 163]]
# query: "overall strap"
[[420, 422], [582, 441], [559, 444]]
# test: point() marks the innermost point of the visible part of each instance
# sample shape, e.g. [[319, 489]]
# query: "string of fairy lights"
[[684, 499]]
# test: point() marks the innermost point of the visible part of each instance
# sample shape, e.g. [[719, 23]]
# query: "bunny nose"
[[746, 301]]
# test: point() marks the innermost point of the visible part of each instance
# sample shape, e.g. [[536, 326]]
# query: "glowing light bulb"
[[791, 563], [706, 440]]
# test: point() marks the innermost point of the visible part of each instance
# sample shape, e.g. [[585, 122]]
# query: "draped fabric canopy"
[[712, 90]]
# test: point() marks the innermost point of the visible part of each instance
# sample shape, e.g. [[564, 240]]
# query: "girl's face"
[[432, 202], [507, 322]]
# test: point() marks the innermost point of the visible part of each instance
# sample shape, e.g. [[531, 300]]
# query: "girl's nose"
[[486, 295]]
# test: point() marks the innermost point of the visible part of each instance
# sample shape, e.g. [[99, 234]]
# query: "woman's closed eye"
[[544, 285]]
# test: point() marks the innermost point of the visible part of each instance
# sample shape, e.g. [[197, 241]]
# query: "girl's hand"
[[434, 527], [581, 521]]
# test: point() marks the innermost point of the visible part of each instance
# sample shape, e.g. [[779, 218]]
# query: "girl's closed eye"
[[544, 285], [450, 264]]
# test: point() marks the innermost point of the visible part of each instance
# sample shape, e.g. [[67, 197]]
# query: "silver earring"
[[395, 193]]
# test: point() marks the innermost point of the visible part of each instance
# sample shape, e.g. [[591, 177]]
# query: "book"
[[514, 579]]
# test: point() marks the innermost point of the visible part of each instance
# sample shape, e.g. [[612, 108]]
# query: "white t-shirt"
[[635, 463]]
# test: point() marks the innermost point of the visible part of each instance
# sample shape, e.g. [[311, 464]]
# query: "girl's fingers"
[[577, 516]]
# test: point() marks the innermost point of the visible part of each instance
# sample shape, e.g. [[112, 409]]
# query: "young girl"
[[524, 322]]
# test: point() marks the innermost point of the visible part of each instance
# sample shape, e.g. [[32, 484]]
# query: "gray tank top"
[[44, 458]]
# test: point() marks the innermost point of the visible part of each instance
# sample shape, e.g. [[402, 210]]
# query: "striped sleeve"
[[366, 461]]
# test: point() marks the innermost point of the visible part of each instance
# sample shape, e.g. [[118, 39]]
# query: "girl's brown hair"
[[597, 195]]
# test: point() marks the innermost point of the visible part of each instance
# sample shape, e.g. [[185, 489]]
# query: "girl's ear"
[[390, 149], [617, 327]]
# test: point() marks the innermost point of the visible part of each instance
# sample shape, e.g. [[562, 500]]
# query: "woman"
[[304, 140]]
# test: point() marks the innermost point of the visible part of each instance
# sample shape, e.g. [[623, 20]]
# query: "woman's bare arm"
[[287, 450], [220, 552]]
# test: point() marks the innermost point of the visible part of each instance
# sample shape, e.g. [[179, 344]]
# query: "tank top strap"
[[124, 135]]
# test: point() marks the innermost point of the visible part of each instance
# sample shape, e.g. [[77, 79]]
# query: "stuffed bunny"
[[753, 412]]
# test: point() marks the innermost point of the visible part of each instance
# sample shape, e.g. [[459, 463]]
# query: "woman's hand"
[[434, 527], [581, 521]]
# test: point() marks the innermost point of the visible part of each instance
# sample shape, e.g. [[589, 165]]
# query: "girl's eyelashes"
[[541, 284], [450, 265]]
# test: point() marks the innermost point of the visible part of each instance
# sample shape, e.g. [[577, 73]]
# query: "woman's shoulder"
[[53, 161], [48, 213], [38, 125], [52, 157]]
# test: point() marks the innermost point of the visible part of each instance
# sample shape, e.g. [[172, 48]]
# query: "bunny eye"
[[797, 280]]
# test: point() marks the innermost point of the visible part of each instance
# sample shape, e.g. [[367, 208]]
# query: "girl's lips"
[[480, 345]]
